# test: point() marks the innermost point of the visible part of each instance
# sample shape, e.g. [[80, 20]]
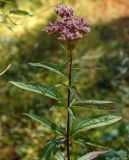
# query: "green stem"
[[68, 102]]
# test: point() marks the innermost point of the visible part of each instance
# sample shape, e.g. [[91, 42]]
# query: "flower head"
[[69, 27], [63, 11]]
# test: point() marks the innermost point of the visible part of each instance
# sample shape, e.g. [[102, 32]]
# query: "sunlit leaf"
[[5, 70], [98, 121], [97, 104], [92, 155], [20, 12], [60, 156], [53, 67], [49, 92], [92, 102], [46, 123]]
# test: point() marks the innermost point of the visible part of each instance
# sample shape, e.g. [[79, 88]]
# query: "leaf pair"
[[47, 91]]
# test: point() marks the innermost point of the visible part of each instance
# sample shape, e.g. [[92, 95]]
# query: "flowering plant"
[[70, 29]]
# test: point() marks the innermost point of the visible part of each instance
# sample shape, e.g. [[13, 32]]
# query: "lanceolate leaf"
[[92, 155], [53, 67], [75, 92], [20, 12], [49, 92], [73, 100], [46, 123], [62, 46], [104, 108], [84, 140], [97, 104], [92, 102], [47, 152], [72, 113], [55, 107], [5, 69], [99, 121], [60, 156], [72, 117], [60, 85], [49, 149]]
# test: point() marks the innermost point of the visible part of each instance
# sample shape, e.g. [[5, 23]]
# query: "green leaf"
[[97, 104], [62, 46], [49, 92], [72, 117], [72, 113], [20, 12], [93, 102], [73, 100], [74, 91], [5, 69], [49, 149], [55, 107], [60, 156], [99, 121], [60, 85], [92, 155], [46, 123], [94, 145], [47, 152], [84, 140], [52, 67]]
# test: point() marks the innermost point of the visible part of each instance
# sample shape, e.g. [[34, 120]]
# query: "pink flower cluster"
[[69, 27], [63, 11]]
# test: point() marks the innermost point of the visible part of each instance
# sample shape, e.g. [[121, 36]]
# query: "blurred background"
[[103, 56]]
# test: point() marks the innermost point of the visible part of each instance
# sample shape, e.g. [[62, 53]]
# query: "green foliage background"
[[103, 56]]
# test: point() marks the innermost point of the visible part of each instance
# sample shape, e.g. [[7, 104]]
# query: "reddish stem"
[[68, 101]]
